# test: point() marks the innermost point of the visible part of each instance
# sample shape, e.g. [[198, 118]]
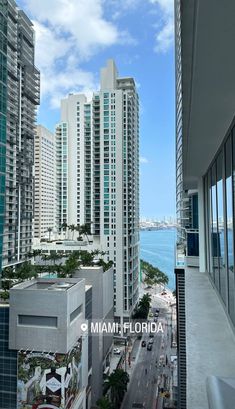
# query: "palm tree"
[[117, 384], [71, 264], [49, 231], [85, 229], [145, 301], [64, 226], [55, 256], [72, 228], [34, 254], [86, 258]]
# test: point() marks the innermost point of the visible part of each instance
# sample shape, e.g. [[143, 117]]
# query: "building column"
[[201, 226]]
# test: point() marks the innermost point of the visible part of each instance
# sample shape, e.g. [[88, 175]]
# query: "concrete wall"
[[102, 308], [45, 303]]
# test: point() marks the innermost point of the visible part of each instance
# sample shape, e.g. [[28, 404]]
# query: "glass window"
[[229, 213], [214, 229], [222, 250]]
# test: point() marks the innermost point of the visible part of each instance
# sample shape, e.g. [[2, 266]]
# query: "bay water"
[[158, 248]]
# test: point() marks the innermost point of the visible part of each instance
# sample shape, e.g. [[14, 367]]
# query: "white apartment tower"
[[98, 176], [44, 187]]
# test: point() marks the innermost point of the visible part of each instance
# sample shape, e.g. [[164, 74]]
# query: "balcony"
[[210, 343]]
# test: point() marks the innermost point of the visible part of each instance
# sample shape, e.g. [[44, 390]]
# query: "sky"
[[74, 38]]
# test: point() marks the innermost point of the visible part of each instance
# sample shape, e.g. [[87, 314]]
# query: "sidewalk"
[[128, 364]]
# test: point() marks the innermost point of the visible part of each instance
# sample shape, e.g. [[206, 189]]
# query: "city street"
[[142, 388], [151, 370]]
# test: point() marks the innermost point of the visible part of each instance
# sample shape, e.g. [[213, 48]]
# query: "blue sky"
[[74, 38]]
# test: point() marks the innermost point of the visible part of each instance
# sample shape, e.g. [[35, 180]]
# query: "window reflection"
[[214, 238], [220, 206], [220, 187]]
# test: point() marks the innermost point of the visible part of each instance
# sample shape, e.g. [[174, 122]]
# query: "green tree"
[[117, 384], [34, 254], [71, 264], [5, 296], [153, 275], [86, 258], [9, 273], [142, 309], [145, 301], [26, 271], [104, 403]]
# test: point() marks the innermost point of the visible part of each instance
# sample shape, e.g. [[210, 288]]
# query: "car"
[[155, 319], [151, 341], [143, 343], [157, 310], [116, 351], [151, 335], [149, 347], [151, 314]]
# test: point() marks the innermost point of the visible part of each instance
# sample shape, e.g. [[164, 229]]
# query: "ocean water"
[[158, 248]]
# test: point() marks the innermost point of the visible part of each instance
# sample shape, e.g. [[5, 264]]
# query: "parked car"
[[143, 343], [156, 314], [151, 335], [149, 347], [151, 314], [116, 351], [155, 319], [151, 341]]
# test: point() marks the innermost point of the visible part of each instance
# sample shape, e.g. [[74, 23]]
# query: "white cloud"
[[69, 32], [164, 37], [143, 159]]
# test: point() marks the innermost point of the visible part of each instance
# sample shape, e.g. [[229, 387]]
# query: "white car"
[[116, 351]]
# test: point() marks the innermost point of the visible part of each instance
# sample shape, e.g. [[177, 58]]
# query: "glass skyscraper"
[[8, 364]]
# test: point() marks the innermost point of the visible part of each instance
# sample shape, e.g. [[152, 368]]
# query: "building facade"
[[8, 364], [52, 351], [44, 183], [3, 113], [98, 176], [20, 97], [205, 142], [102, 289]]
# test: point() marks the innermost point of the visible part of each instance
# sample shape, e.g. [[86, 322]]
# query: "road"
[[143, 386]]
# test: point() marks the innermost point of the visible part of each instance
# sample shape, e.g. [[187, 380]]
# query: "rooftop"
[[57, 284]]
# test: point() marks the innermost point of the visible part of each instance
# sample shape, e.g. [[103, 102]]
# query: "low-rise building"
[[45, 329]]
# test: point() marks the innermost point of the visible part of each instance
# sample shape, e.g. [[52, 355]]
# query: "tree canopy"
[[153, 275]]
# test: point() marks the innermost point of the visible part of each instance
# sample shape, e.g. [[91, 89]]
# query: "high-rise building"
[[3, 113], [44, 183], [205, 140], [98, 175], [19, 99]]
